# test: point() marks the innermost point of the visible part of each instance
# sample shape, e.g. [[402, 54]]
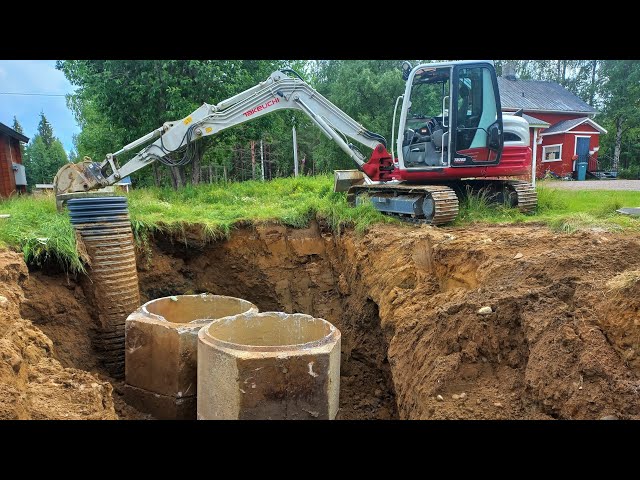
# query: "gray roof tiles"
[[538, 95], [535, 122]]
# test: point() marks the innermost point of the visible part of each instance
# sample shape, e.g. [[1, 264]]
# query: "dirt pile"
[[33, 383], [406, 300]]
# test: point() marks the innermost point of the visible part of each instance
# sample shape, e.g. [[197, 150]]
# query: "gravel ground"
[[593, 185]]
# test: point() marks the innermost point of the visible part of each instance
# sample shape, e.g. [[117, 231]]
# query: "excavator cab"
[[450, 117]]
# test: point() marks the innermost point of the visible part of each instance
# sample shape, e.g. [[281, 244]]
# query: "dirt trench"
[[562, 339], [34, 384]]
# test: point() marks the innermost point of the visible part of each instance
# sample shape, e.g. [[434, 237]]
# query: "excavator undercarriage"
[[439, 204]]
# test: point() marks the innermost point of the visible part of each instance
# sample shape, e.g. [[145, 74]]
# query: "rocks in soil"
[[485, 311]]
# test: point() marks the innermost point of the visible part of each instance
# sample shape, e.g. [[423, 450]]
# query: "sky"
[[36, 76]]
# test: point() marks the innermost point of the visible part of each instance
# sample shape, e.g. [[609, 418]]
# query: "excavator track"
[[515, 193], [527, 197], [445, 201]]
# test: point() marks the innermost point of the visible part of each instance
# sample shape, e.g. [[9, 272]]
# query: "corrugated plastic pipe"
[[105, 229]]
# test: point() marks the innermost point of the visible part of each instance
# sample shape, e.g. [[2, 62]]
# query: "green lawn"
[[41, 233], [562, 210]]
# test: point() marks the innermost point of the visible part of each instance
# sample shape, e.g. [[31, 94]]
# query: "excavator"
[[452, 140]]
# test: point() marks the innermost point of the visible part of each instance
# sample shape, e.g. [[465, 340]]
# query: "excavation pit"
[[405, 302], [268, 366], [161, 351]]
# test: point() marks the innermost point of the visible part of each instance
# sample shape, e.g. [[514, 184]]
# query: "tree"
[[620, 91], [45, 130], [366, 90], [18, 128], [42, 160], [131, 98]]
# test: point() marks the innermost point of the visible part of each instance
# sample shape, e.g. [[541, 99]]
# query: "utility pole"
[[262, 159], [295, 151]]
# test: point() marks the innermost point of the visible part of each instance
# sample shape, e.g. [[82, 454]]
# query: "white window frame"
[[575, 143], [544, 151]]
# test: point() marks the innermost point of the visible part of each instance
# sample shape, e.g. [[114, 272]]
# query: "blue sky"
[[36, 76]]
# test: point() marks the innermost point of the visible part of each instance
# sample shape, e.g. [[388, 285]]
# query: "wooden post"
[[224, 171], [295, 153], [262, 159], [253, 160]]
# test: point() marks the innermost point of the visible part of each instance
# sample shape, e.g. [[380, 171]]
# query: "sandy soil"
[[33, 383], [561, 339], [558, 343]]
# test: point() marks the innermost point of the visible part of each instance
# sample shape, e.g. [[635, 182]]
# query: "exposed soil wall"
[[561, 341], [406, 300], [33, 383]]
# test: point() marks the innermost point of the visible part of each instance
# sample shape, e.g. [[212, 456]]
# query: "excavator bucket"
[[78, 177], [345, 179]]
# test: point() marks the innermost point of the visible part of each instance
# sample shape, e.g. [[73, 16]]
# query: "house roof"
[[12, 133], [535, 122], [566, 125], [540, 96]]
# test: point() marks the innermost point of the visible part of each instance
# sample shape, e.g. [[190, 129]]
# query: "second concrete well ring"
[[161, 340], [268, 365]]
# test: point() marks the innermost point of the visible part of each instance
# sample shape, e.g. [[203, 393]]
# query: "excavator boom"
[[278, 92]]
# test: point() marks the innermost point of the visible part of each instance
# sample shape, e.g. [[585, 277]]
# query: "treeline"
[[118, 101], [43, 155]]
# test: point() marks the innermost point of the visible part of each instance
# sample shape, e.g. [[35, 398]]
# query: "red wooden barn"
[[561, 123], [12, 174]]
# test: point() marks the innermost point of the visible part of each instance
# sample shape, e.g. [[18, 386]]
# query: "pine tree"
[[18, 128], [44, 154], [45, 130]]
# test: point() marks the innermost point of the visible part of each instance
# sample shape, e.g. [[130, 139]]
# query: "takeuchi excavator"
[[452, 140]]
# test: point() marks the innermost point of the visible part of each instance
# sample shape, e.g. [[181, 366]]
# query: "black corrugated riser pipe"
[[103, 225]]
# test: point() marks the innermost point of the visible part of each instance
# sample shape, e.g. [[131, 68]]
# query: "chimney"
[[509, 70]]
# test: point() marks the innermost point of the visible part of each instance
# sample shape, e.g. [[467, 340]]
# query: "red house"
[[560, 123], [12, 174]]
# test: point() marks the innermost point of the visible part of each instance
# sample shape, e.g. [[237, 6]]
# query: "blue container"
[[581, 170]]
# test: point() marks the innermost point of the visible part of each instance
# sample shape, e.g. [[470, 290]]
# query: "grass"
[[217, 208], [562, 210], [43, 234], [39, 231]]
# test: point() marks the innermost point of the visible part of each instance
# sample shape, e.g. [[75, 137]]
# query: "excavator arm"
[[178, 138]]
